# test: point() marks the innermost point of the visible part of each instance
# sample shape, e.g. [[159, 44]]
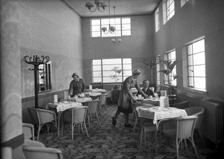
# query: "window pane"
[[200, 83], [127, 67], [96, 62], [95, 34], [104, 21], [97, 74], [96, 22], [190, 60], [190, 71], [111, 61], [127, 73], [97, 68], [97, 80], [126, 27], [117, 33], [95, 28], [199, 70], [126, 20], [111, 67], [111, 73], [126, 33], [199, 58], [189, 50], [191, 81], [198, 46], [126, 61]]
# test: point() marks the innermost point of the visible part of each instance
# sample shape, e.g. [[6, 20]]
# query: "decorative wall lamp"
[[99, 5], [116, 40], [36, 61]]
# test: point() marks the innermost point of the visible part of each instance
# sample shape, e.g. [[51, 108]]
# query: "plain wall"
[[197, 18], [138, 46]]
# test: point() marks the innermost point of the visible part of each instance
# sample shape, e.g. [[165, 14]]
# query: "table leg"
[[156, 139]]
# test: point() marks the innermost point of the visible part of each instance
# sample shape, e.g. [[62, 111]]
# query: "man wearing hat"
[[76, 86]]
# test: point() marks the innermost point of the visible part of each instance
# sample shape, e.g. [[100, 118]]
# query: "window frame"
[[157, 22], [192, 65], [118, 22], [167, 4], [103, 69]]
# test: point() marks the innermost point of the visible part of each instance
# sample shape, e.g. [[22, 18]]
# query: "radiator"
[[212, 122]]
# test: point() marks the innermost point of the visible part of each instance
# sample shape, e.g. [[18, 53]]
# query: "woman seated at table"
[[126, 97], [146, 89]]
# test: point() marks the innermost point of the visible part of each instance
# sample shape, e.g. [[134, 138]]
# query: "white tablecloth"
[[62, 106], [157, 114]]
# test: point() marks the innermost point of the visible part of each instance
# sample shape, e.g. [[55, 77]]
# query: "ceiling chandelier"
[[111, 28], [99, 5]]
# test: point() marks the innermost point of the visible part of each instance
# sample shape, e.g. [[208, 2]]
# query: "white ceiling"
[[122, 7]]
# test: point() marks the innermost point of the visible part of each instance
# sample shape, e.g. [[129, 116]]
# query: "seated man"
[[146, 89]]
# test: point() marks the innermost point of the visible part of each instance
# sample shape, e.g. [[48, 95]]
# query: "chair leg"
[[97, 118], [199, 131], [192, 142], [86, 129], [177, 147], [72, 131]]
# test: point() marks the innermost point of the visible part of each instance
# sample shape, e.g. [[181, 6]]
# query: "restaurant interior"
[[176, 44]]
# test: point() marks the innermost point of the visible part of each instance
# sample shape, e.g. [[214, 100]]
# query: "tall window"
[[183, 2], [157, 20], [169, 79], [122, 27], [44, 77], [111, 70], [196, 65], [168, 10]]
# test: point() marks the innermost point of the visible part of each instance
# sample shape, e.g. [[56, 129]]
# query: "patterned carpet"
[[108, 142]]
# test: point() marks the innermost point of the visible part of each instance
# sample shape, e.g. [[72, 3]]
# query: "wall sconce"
[[116, 40]]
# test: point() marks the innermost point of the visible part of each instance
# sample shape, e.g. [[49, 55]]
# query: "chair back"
[[199, 111], [37, 150], [92, 106], [181, 105], [185, 126], [33, 114], [45, 116], [103, 98], [28, 131], [79, 115]]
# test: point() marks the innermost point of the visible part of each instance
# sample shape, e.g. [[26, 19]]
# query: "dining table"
[[66, 104], [158, 114]]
